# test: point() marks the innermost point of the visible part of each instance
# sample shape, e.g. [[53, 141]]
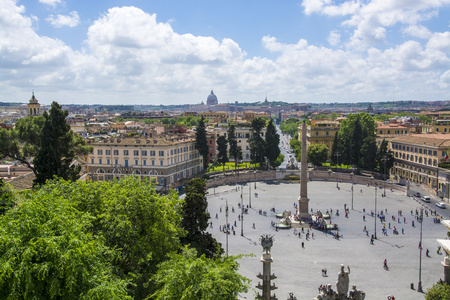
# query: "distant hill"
[[10, 104]]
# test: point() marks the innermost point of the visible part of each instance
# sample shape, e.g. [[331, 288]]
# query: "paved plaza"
[[299, 270]]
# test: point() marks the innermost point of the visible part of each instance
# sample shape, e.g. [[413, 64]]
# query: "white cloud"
[[130, 57], [417, 31], [58, 21], [50, 2], [334, 38]]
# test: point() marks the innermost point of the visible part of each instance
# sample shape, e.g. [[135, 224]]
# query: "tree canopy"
[[272, 143], [188, 277], [257, 143], [195, 220], [439, 291], [317, 154], [222, 148], [201, 142]]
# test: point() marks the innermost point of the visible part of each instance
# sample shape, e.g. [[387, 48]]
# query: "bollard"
[[412, 285]]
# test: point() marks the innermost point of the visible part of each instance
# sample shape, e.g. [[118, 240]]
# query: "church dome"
[[212, 99]]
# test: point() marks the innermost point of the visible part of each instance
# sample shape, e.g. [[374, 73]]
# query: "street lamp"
[[242, 212], [419, 286], [384, 158], [255, 179], [375, 234], [337, 154], [250, 195], [226, 224], [351, 178]]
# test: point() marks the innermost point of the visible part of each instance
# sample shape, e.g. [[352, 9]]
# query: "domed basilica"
[[212, 99]]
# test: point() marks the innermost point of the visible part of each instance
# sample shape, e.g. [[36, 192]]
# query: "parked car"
[[417, 194], [426, 199], [440, 205]]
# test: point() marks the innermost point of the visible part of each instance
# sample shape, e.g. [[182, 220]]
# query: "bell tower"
[[34, 107]]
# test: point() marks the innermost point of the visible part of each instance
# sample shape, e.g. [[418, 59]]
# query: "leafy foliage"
[[257, 143], [46, 253], [296, 145], [132, 218], [439, 291], [201, 143], [384, 158], [272, 143], [195, 220], [6, 198], [317, 154], [290, 126], [187, 277], [222, 147], [235, 150]]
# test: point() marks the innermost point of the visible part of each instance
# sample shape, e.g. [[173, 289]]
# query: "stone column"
[[303, 200], [446, 264], [266, 259]]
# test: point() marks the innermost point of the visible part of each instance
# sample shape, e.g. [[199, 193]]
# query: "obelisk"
[[303, 200]]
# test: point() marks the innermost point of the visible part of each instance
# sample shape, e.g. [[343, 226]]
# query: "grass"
[[341, 166], [230, 167]]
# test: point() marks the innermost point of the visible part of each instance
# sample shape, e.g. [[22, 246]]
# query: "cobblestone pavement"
[[299, 269]]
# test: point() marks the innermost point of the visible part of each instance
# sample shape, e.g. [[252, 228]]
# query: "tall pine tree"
[[232, 141], [201, 143], [257, 143], [222, 156], [272, 143], [57, 148]]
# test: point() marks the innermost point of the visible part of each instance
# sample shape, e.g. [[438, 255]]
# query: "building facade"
[[417, 159], [167, 161], [321, 132]]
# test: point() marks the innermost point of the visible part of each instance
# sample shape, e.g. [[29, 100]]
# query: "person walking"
[[303, 244], [385, 264]]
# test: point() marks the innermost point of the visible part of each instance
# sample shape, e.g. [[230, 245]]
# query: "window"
[[420, 150], [116, 152], [136, 152], [327, 133], [152, 153], [116, 161], [144, 162], [125, 152], [136, 162], [126, 163], [108, 152], [144, 153], [153, 162], [171, 151], [99, 161], [108, 161], [429, 153], [161, 153], [317, 133], [161, 163], [407, 148], [100, 152], [92, 160], [434, 153]]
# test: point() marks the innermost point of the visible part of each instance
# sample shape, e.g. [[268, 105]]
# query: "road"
[[284, 147]]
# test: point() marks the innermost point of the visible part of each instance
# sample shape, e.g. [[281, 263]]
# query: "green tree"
[[6, 197], [279, 161], [195, 220], [369, 150], [272, 142], [232, 141], [317, 154], [23, 141], [58, 148], [439, 291], [257, 143], [383, 154], [335, 148], [130, 217], [222, 147], [297, 148], [201, 142], [46, 253], [188, 277]]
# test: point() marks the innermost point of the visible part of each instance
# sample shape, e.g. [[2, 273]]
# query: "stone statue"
[[355, 294], [343, 281], [266, 242], [292, 165]]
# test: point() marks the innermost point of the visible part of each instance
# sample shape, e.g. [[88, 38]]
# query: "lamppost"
[[242, 212], [226, 224], [255, 179], [337, 154], [419, 286], [250, 195], [351, 178], [375, 234], [214, 178], [384, 159]]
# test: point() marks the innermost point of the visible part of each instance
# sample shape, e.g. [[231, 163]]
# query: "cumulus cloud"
[[58, 21], [417, 31], [50, 2], [334, 38], [130, 57]]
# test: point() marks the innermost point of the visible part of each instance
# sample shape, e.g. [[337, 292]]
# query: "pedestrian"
[[312, 235], [253, 225], [427, 252], [303, 244], [412, 223], [385, 264], [217, 216], [364, 218], [403, 231]]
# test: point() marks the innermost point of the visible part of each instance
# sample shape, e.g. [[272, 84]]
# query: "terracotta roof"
[[433, 139]]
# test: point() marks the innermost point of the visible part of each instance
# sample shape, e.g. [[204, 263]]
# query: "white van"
[[426, 199]]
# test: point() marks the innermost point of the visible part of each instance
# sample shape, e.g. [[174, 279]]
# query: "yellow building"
[[215, 116], [321, 132], [388, 131], [166, 160]]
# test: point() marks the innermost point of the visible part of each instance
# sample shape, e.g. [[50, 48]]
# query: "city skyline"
[[175, 52]]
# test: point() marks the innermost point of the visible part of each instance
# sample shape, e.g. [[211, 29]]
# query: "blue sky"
[[174, 52]]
